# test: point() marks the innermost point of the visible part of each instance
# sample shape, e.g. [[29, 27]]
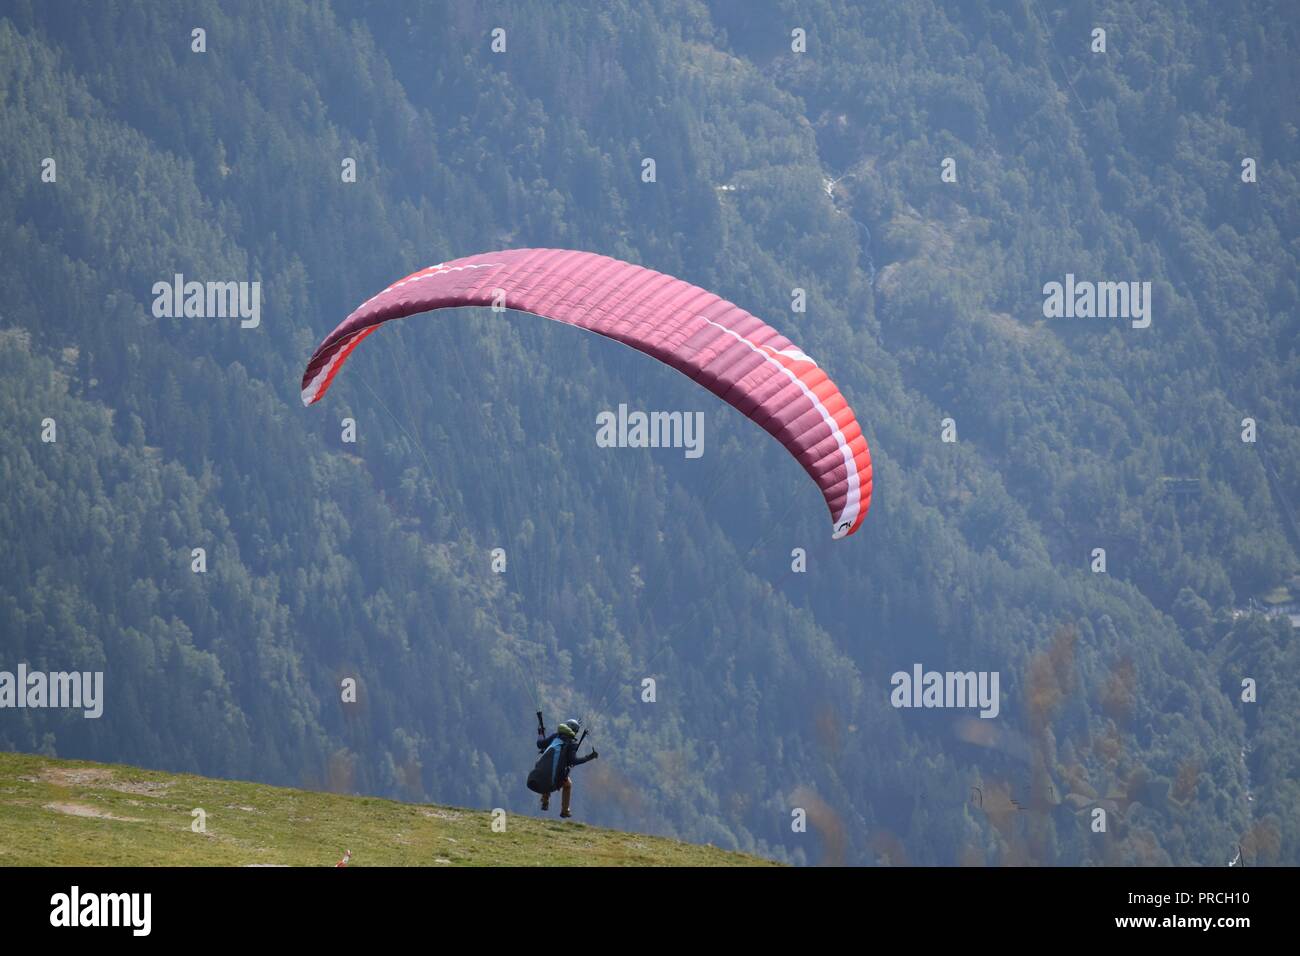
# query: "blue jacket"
[[568, 756]]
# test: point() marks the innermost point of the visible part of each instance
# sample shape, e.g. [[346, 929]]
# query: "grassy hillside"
[[74, 812]]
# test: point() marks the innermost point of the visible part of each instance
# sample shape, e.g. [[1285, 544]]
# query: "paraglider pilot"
[[559, 756]]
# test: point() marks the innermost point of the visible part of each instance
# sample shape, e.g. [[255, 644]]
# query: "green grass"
[[74, 812]]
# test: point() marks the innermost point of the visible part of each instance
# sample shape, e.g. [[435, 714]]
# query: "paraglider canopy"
[[723, 348]]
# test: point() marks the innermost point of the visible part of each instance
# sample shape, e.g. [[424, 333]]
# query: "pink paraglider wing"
[[732, 353]]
